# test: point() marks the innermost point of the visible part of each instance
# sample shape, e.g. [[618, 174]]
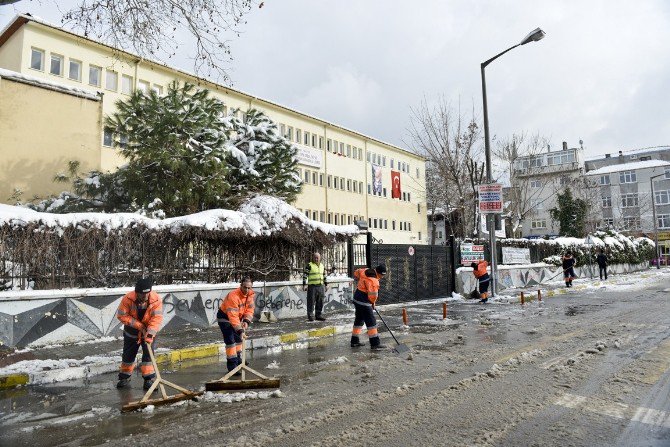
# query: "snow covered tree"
[[175, 149], [261, 159], [570, 213]]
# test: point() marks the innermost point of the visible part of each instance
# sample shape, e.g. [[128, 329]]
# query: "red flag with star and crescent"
[[395, 184]]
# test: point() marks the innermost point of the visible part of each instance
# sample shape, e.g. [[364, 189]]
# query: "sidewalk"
[[56, 363]]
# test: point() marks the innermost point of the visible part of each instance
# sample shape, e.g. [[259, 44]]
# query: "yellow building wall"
[[42, 130], [11, 52], [314, 198]]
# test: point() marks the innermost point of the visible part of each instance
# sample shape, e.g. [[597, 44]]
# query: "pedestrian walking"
[[141, 312], [234, 317], [479, 269], [314, 278], [569, 268], [365, 299], [601, 259]]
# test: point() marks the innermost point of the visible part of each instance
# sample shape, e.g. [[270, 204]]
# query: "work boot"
[[483, 301], [357, 344], [148, 383], [320, 318], [310, 318], [123, 382], [377, 347]]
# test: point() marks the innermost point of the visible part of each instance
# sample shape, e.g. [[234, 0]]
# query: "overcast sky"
[[601, 74]]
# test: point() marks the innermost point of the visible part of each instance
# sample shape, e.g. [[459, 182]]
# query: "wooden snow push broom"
[[225, 383], [161, 383]]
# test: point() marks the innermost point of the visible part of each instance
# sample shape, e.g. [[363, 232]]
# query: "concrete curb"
[[291, 340]]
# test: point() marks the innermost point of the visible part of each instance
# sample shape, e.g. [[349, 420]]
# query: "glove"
[[246, 323], [239, 331], [149, 338]]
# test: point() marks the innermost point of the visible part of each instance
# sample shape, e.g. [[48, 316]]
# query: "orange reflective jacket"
[[481, 269], [153, 317], [237, 306], [367, 284]]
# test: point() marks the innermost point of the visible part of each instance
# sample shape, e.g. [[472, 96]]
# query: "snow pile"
[[259, 216], [228, 398], [40, 82], [273, 365], [38, 366]]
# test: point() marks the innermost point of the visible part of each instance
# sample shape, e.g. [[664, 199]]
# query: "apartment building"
[[538, 178], [348, 176]]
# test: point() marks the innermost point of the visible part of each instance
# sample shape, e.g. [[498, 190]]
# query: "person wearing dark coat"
[[569, 269], [601, 259]]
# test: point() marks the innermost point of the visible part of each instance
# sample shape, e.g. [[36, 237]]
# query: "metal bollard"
[[539, 295], [444, 311], [404, 316], [522, 300]]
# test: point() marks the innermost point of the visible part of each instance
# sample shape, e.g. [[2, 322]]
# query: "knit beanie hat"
[[381, 269], [143, 285]]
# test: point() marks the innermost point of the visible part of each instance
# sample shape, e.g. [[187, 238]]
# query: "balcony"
[[535, 171]]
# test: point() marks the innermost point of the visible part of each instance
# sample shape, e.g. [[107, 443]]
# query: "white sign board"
[[514, 255], [471, 253], [308, 156], [491, 198]]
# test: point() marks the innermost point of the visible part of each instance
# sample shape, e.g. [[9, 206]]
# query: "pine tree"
[[570, 213], [261, 160]]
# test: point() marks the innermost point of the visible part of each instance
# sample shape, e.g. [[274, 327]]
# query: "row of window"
[[383, 224], [631, 200], [551, 159], [332, 218], [380, 160], [627, 223], [74, 73]]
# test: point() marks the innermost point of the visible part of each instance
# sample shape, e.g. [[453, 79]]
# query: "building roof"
[[644, 150], [629, 167], [49, 85], [22, 19]]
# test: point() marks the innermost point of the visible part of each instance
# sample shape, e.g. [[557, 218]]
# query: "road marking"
[[616, 410]]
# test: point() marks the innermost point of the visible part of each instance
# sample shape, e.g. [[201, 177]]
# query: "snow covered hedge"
[[110, 250], [620, 249]]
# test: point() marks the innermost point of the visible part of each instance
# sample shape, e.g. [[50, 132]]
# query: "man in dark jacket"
[[602, 263], [569, 268]]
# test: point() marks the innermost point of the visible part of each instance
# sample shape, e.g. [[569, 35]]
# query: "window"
[[368, 156], [320, 179], [662, 197], [56, 65], [289, 134], [307, 213], [607, 202], [418, 173], [536, 162], [369, 189], [392, 164], [330, 217], [298, 135], [631, 223], [439, 234], [393, 225], [386, 224], [157, 89], [418, 207], [360, 187], [348, 185], [320, 142], [341, 148], [306, 176], [355, 185], [645, 158], [535, 183], [342, 184], [384, 161], [306, 139], [74, 72], [627, 177], [329, 145], [663, 220], [629, 200], [315, 177], [127, 84], [536, 224], [607, 223], [409, 227], [667, 174], [336, 182], [94, 75], [322, 216], [37, 59], [313, 140], [108, 137], [123, 141], [537, 204], [605, 179], [419, 235], [564, 180], [330, 181], [348, 150], [111, 80]]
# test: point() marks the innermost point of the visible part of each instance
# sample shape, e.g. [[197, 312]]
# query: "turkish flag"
[[395, 185]]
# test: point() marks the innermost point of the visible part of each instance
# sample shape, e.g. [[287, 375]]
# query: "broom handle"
[[387, 326]]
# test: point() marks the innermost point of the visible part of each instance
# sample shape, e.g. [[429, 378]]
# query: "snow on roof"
[[645, 150], [629, 167], [31, 18], [39, 82], [259, 216]]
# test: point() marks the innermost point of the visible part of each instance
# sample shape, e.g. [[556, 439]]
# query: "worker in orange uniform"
[[479, 270], [234, 317], [141, 313], [365, 297]]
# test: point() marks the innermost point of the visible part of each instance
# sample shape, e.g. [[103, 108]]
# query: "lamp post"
[[653, 208], [533, 36]]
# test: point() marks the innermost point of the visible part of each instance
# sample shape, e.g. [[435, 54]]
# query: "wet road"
[[588, 368]]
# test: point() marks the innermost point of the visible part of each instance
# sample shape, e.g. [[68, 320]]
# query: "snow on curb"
[[39, 372]]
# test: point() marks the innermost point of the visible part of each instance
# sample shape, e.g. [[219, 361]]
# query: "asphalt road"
[[588, 368]]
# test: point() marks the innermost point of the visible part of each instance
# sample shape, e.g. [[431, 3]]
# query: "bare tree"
[[530, 189], [157, 29], [451, 144]]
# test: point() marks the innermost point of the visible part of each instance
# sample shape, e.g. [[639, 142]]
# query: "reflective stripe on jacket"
[[315, 274], [127, 313], [369, 285], [237, 307]]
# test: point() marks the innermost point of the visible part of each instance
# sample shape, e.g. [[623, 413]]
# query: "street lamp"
[[533, 36], [653, 208]]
